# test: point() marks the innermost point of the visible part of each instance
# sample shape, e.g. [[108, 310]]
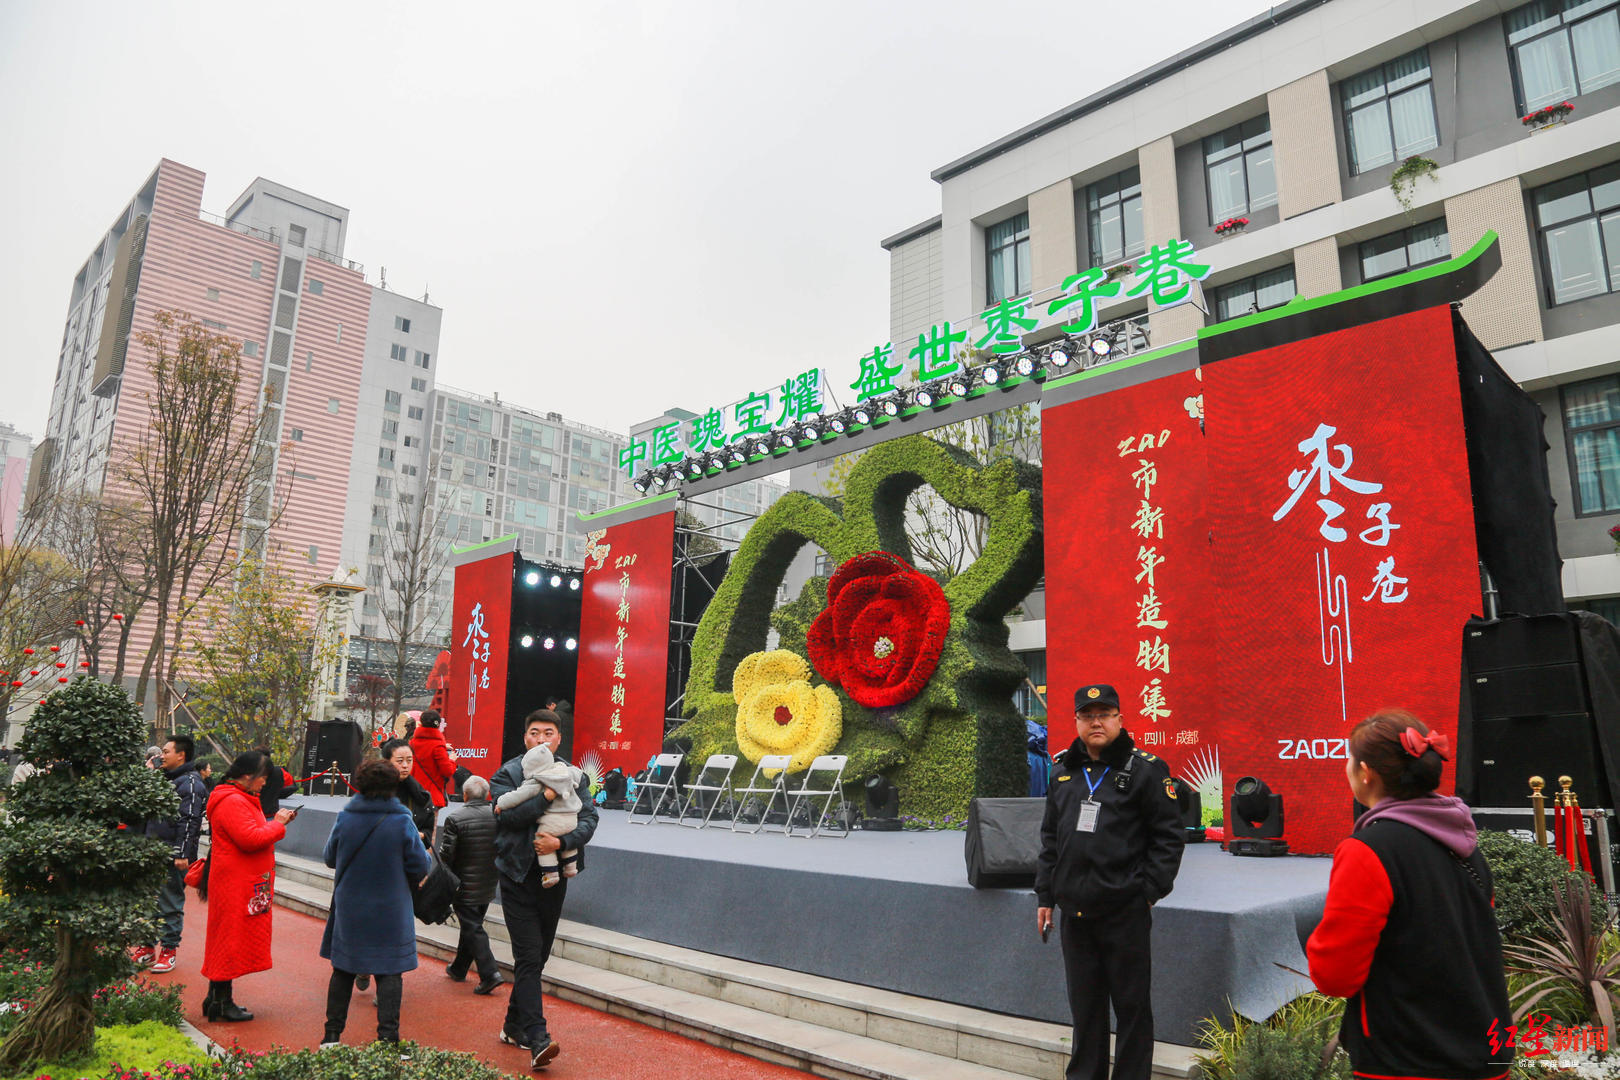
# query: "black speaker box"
[[1521, 641], [324, 743], [1003, 842], [1548, 689], [1510, 750]]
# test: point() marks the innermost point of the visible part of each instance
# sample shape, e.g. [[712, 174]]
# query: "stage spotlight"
[[573, 583], [786, 440], [641, 483], [1101, 347], [890, 406], [1058, 358], [615, 786], [527, 641], [660, 478], [549, 643], [958, 386], [862, 417], [810, 431], [1024, 366], [837, 425], [882, 806], [570, 644], [556, 581], [922, 397], [1191, 805], [1256, 826], [991, 374], [738, 456], [761, 448], [695, 468], [532, 578]]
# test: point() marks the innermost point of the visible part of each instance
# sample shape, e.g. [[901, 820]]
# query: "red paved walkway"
[[289, 1005]]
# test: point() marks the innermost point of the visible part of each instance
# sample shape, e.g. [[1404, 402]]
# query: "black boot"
[[210, 1003], [229, 1010]]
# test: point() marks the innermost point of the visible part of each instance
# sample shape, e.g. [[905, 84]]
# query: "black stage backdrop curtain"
[[1513, 501], [1600, 654]]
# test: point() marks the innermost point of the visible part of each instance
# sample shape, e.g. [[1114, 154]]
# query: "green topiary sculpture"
[[79, 875], [960, 736]]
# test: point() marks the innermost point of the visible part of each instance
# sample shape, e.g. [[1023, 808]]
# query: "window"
[[1404, 250], [398, 352], [309, 361], [408, 470], [390, 429], [414, 412], [1389, 112], [385, 456], [1592, 430], [340, 334], [403, 325], [1268, 290], [213, 294], [1578, 223], [334, 406], [250, 348], [385, 484], [1562, 48], [295, 235], [419, 385], [297, 434], [391, 400], [422, 358], [314, 554], [1006, 252], [255, 269], [1238, 168], [1114, 217], [410, 440], [316, 287], [212, 325]]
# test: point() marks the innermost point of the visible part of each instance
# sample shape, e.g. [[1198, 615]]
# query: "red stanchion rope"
[[331, 770]]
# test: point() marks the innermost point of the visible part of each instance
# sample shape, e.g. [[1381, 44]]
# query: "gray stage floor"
[[895, 910]]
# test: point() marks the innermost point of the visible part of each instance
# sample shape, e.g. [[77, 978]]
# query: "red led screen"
[[624, 644], [1344, 558], [480, 636], [1127, 568]]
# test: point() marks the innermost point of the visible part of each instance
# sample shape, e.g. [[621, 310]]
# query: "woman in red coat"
[[241, 877], [435, 764]]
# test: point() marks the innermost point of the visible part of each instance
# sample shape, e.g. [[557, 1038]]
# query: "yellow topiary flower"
[[779, 712]]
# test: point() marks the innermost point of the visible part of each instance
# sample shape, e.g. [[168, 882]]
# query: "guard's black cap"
[[1099, 694]]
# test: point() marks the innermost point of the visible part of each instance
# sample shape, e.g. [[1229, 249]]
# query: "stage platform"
[[894, 910]]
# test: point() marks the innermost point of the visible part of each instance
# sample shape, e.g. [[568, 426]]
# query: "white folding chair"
[[661, 783], [780, 762], [826, 763], [720, 764]]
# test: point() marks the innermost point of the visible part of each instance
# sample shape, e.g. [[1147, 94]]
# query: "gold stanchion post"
[[1538, 807]]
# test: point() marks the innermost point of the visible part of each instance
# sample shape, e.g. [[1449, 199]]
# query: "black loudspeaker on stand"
[[1529, 711], [327, 742]]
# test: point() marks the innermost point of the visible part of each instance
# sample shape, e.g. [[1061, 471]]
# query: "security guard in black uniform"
[[1111, 843]]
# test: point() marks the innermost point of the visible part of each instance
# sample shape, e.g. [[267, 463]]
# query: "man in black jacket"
[[181, 834], [531, 910], [1111, 842], [467, 846]]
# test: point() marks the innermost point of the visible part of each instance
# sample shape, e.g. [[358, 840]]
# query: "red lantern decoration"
[[16, 682], [78, 622], [56, 648], [62, 679], [28, 652], [61, 663], [34, 672], [84, 663], [118, 618]]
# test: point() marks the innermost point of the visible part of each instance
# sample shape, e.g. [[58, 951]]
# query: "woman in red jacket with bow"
[[435, 764], [241, 880]]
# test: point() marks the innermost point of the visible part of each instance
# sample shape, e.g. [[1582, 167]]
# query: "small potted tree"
[[79, 875]]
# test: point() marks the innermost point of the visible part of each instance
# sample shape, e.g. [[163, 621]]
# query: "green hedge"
[[959, 738]]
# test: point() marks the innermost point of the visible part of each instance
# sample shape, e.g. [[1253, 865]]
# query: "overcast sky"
[[620, 207]]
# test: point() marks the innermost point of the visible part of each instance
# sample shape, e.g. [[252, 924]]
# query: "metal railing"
[[269, 236], [337, 260]]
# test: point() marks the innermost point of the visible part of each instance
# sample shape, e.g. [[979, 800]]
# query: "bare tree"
[[39, 594], [199, 476], [371, 695], [416, 550], [87, 535]]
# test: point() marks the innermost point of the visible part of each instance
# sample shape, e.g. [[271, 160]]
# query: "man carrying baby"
[[532, 909]]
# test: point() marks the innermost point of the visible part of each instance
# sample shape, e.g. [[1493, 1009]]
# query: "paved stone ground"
[[289, 1005]]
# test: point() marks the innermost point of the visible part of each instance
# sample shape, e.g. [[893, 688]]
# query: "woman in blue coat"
[[377, 853]]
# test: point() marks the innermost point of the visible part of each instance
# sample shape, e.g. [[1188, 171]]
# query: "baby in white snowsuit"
[[541, 771]]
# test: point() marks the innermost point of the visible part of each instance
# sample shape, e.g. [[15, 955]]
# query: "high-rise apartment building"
[[1273, 146], [270, 274], [15, 449]]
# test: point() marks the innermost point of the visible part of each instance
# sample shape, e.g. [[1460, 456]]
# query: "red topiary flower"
[[881, 634]]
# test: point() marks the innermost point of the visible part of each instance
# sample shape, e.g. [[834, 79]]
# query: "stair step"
[[810, 1022]]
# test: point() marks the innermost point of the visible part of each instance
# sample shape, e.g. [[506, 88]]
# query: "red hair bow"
[[1415, 742]]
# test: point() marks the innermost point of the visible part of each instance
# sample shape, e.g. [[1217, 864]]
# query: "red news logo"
[[1532, 1039]]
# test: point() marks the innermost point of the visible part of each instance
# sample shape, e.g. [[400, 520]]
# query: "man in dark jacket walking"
[[531, 910], [1111, 842], [467, 846], [181, 834]]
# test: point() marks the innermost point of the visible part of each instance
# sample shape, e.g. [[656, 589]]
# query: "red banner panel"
[[480, 637], [1344, 557], [624, 644], [1127, 568]]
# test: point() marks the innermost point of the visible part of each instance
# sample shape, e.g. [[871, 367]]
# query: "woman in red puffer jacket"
[[435, 763]]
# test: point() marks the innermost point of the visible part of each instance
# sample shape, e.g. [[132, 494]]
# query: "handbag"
[[197, 876], [434, 897]]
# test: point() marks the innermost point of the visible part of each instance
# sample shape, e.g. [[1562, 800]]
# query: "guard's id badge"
[[1087, 821]]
